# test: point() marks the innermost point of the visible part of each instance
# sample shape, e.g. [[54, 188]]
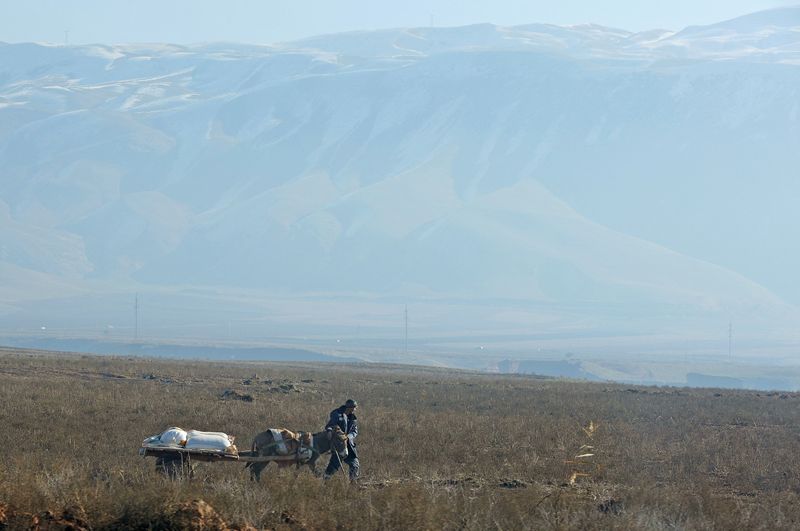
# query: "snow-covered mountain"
[[604, 177]]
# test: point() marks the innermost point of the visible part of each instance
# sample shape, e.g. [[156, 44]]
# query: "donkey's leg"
[[255, 471], [312, 464]]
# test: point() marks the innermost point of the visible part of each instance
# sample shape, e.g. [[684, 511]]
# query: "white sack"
[[173, 437], [207, 440], [155, 440]]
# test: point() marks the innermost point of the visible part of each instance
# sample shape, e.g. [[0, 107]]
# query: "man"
[[344, 417]]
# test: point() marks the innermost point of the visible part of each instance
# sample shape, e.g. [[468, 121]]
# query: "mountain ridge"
[[557, 165]]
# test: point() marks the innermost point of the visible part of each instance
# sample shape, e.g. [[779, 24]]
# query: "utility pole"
[[406, 329], [730, 340], [136, 317]]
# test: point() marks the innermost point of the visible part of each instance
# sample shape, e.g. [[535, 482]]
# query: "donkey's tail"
[[253, 451]]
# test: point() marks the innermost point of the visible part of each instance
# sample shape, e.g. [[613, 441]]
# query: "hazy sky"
[[266, 21]]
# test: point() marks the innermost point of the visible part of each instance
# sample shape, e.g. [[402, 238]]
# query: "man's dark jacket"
[[348, 424]]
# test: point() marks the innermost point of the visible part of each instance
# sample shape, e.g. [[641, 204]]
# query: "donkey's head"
[[338, 441]]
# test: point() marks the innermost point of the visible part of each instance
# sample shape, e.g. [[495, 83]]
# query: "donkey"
[[318, 443]]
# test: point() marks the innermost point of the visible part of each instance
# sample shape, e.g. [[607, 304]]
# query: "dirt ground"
[[440, 449]]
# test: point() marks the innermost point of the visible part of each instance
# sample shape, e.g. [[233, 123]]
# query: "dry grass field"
[[439, 449]]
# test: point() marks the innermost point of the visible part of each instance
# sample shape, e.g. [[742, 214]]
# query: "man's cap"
[[351, 403]]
